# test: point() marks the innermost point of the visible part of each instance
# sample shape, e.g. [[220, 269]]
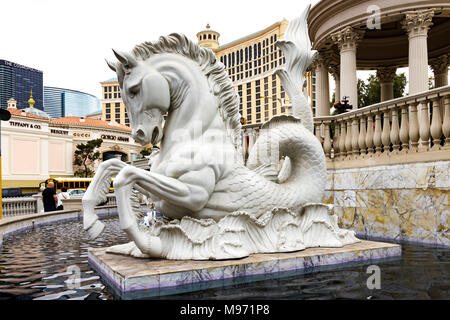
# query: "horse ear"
[[125, 58], [111, 65]]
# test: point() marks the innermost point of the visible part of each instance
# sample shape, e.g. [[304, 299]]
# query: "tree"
[[370, 93], [85, 155]]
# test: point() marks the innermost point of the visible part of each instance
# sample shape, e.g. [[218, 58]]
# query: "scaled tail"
[[296, 47]]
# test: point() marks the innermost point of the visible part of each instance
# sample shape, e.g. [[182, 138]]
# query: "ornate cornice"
[[386, 74], [335, 70], [322, 59], [347, 38], [440, 64], [417, 23]]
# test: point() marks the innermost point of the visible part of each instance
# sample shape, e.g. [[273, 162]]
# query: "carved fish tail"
[[304, 178], [296, 47]]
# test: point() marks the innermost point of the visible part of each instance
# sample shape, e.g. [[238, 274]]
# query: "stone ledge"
[[11, 225], [132, 278], [386, 159]]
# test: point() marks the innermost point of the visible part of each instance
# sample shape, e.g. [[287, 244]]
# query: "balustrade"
[[18, 206], [407, 125]]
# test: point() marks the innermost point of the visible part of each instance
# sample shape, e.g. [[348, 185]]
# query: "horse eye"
[[134, 90]]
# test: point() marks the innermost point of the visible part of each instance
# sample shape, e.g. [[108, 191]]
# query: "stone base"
[[134, 278]]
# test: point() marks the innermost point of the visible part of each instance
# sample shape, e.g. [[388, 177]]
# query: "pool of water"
[[42, 263]]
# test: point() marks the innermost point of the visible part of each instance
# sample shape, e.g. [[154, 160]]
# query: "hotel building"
[[16, 81], [113, 108], [251, 63], [61, 102]]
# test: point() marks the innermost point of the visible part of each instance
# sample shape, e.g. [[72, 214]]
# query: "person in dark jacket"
[[49, 197]]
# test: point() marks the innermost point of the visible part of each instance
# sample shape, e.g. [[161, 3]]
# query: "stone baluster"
[[317, 131], [355, 136], [342, 138], [336, 138], [395, 130], [251, 140], [424, 125], [436, 124], [446, 123], [377, 134], [413, 126], [404, 128], [385, 134], [370, 134], [327, 140], [244, 143], [348, 137], [362, 135]]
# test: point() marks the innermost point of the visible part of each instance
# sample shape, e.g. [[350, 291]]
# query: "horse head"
[[146, 95]]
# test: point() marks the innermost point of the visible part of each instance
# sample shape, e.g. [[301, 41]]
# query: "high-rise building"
[[113, 108], [60, 102], [251, 63], [16, 81]]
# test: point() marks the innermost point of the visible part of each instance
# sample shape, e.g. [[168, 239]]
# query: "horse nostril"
[[139, 135]]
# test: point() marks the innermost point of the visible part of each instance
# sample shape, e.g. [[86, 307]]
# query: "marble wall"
[[407, 202]]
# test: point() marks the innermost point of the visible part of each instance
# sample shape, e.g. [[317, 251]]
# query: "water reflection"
[[35, 265]]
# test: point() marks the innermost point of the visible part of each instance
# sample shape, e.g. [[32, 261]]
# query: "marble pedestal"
[[133, 278]]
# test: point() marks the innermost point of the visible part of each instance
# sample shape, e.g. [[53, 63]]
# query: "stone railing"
[[18, 206], [111, 199], [407, 129], [408, 125]]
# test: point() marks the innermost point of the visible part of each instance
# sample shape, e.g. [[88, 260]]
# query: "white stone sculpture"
[[219, 207]]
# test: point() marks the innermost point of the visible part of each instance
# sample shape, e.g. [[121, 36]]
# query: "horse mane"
[[213, 70]]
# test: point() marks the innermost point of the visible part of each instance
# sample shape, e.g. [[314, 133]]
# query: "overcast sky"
[[68, 40]]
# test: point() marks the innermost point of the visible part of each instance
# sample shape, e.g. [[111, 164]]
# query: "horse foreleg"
[[190, 191], [96, 194], [128, 222]]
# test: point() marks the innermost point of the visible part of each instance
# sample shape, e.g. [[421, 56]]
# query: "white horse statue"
[[219, 208]]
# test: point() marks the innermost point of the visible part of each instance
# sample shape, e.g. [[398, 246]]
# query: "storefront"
[[36, 148]]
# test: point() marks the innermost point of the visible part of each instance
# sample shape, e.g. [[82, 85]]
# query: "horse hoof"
[[96, 229]]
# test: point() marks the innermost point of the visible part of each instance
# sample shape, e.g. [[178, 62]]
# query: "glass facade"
[[16, 81], [60, 102]]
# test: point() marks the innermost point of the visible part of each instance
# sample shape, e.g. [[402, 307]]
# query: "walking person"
[[63, 195], [49, 197]]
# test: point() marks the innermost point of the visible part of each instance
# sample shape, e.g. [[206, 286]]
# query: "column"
[[346, 40], [322, 85], [335, 72], [386, 77], [417, 23], [439, 66]]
